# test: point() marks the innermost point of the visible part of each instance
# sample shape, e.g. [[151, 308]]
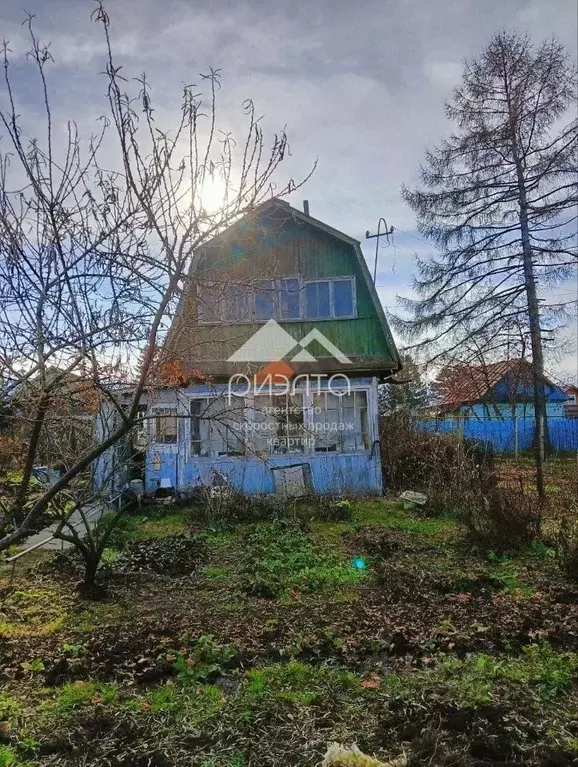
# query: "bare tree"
[[93, 257], [499, 201]]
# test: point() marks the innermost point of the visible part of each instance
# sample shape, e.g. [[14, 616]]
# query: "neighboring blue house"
[[280, 342], [499, 391], [495, 404]]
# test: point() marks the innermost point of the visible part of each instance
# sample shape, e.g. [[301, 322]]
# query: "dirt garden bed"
[[384, 629]]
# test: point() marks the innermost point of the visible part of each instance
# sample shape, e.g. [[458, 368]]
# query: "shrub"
[[413, 459], [567, 548], [225, 506], [505, 518], [446, 467]]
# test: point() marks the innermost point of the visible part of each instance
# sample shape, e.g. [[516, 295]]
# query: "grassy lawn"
[[383, 629]]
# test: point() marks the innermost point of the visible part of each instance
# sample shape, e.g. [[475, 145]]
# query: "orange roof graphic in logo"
[[279, 371]]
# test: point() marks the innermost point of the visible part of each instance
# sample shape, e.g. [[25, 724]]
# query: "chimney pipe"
[[306, 207]]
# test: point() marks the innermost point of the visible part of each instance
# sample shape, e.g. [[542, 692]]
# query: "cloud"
[[360, 86]]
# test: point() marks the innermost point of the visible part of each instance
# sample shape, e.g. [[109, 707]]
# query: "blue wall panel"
[[331, 473]]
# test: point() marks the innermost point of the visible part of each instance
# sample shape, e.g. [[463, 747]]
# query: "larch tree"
[[498, 200]]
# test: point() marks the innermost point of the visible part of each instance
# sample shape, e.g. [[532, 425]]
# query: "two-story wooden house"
[[282, 333]]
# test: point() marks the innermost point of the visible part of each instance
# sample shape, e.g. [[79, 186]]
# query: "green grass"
[[195, 704], [8, 757], [281, 557], [32, 613], [539, 673], [293, 682], [214, 573], [155, 523], [76, 694], [392, 514], [9, 707], [95, 614]]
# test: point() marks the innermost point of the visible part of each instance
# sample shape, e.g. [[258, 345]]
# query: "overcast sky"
[[359, 85]]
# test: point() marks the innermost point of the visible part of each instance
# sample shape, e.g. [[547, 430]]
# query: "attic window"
[[317, 300], [325, 299], [343, 298], [238, 303], [265, 300], [210, 302], [278, 299], [286, 298]]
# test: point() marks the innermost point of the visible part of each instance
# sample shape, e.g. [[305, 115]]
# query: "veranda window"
[[340, 424], [217, 428], [278, 425], [165, 425]]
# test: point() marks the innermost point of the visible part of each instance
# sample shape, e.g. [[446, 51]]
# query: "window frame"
[[278, 282], [340, 435], [155, 410], [206, 440], [308, 427], [332, 316]]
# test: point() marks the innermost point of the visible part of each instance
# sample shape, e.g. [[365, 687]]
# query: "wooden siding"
[[273, 247]]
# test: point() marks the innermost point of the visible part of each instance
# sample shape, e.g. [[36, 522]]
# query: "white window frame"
[[154, 410], [305, 407], [208, 398], [253, 286], [332, 315]]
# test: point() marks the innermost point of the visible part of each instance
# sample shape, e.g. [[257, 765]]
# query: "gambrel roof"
[[276, 240]]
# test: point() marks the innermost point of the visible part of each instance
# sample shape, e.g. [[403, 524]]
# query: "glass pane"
[[326, 419], [317, 300], [226, 434], [166, 426], [323, 299], [209, 298], [343, 298], [237, 304], [264, 426], [289, 299], [361, 421], [195, 420], [311, 299], [293, 433], [265, 301]]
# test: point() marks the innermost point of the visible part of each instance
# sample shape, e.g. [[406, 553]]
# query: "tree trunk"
[[540, 414], [89, 587]]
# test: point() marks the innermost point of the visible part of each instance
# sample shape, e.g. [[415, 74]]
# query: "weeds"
[[507, 518], [75, 694], [567, 548], [295, 681], [538, 672], [202, 659], [281, 556], [8, 757]]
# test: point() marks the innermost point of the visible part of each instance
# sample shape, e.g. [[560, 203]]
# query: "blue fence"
[[503, 434]]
